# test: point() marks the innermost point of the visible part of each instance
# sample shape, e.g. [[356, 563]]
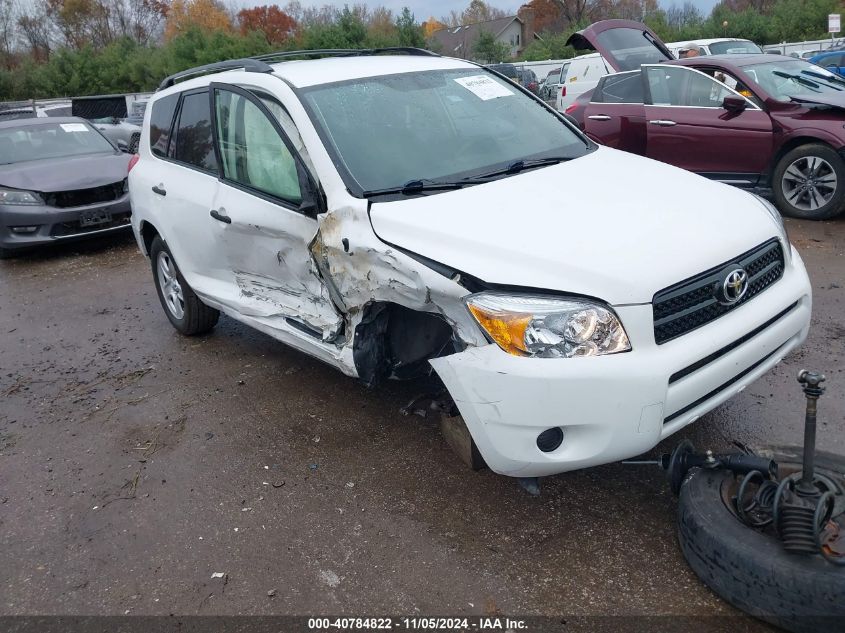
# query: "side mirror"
[[734, 104], [123, 146]]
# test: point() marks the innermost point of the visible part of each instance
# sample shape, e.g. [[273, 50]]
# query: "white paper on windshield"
[[483, 87], [74, 127]]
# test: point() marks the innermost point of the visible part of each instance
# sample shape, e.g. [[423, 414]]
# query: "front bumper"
[[615, 407], [58, 224]]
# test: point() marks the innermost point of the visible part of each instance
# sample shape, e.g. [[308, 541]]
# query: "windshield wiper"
[[520, 165], [798, 78], [413, 187]]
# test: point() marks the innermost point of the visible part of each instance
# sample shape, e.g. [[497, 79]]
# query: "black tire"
[[804, 594], [833, 207], [6, 253], [196, 317]]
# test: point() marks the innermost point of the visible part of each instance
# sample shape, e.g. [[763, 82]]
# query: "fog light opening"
[[550, 439], [23, 229]]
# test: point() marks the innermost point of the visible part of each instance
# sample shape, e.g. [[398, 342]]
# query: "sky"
[[422, 9]]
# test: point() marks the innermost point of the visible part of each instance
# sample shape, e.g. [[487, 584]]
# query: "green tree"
[[409, 30], [488, 50]]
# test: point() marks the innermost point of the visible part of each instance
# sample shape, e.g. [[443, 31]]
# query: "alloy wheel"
[[171, 289], [809, 183]]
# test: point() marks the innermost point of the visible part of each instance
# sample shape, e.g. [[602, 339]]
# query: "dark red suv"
[[755, 121]]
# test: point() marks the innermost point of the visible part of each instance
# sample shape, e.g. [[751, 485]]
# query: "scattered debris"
[[278, 484], [271, 593], [218, 574], [350, 484], [313, 466], [330, 578]]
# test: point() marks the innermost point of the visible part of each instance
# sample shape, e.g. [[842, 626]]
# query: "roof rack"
[[345, 52], [251, 65]]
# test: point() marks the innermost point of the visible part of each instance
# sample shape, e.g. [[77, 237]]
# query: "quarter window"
[[194, 145], [251, 150], [161, 121], [620, 88]]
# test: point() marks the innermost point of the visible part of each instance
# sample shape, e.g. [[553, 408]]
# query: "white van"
[[582, 74]]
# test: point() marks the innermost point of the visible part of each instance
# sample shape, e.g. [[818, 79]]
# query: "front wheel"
[[809, 182], [182, 306]]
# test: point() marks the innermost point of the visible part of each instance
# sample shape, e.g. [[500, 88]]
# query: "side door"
[[186, 188], [689, 125], [615, 115], [264, 214]]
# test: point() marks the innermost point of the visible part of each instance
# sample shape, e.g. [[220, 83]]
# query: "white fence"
[[796, 48]]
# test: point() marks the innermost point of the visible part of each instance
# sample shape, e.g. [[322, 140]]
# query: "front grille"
[[82, 197], [692, 303], [63, 229]]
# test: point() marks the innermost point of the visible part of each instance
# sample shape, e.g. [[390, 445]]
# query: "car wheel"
[[186, 312], [6, 253], [752, 570], [809, 182]]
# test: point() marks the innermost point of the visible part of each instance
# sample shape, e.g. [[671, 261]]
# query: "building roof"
[[459, 40]]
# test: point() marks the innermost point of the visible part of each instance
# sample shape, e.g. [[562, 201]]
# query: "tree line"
[[78, 47]]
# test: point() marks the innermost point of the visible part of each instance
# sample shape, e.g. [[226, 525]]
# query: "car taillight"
[[570, 109], [563, 91], [133, 161]]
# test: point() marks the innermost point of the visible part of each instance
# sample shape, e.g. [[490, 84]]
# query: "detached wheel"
[[750, 569], [186, 312], [809, 183]]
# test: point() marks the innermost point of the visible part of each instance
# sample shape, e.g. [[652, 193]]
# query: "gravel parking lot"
[[136, 463]]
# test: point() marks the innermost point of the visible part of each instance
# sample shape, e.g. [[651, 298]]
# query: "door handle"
[[599, 117], [663, 122], [220, 215], [160, 191]]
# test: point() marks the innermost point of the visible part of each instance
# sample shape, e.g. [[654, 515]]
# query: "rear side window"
[[194, 144], [622, 88], [161, 120]]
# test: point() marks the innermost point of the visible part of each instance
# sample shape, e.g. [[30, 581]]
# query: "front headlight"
[[545, 327], [778, 220], [16, 196]]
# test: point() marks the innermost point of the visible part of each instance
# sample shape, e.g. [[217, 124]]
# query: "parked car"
[[60, 180], [834, 61], [718, 46], [508, 70], [551, 84], [527, 79], [55, 109], [438, 244], [755, 121], [582, 75], [109, 115]]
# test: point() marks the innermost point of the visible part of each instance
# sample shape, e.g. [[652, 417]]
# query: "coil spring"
[[760, 503], [800, 526]]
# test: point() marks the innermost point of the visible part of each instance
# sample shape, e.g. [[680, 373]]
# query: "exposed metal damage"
[[401, 313]]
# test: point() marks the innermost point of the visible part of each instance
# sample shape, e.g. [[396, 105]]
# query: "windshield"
[[784, 79], [433, 125], [736, 46], [50, 140]]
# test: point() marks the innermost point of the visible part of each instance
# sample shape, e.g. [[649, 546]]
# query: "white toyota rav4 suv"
[[391, 213]]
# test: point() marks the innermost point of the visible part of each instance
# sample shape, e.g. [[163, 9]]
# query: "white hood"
[[610, 225]]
